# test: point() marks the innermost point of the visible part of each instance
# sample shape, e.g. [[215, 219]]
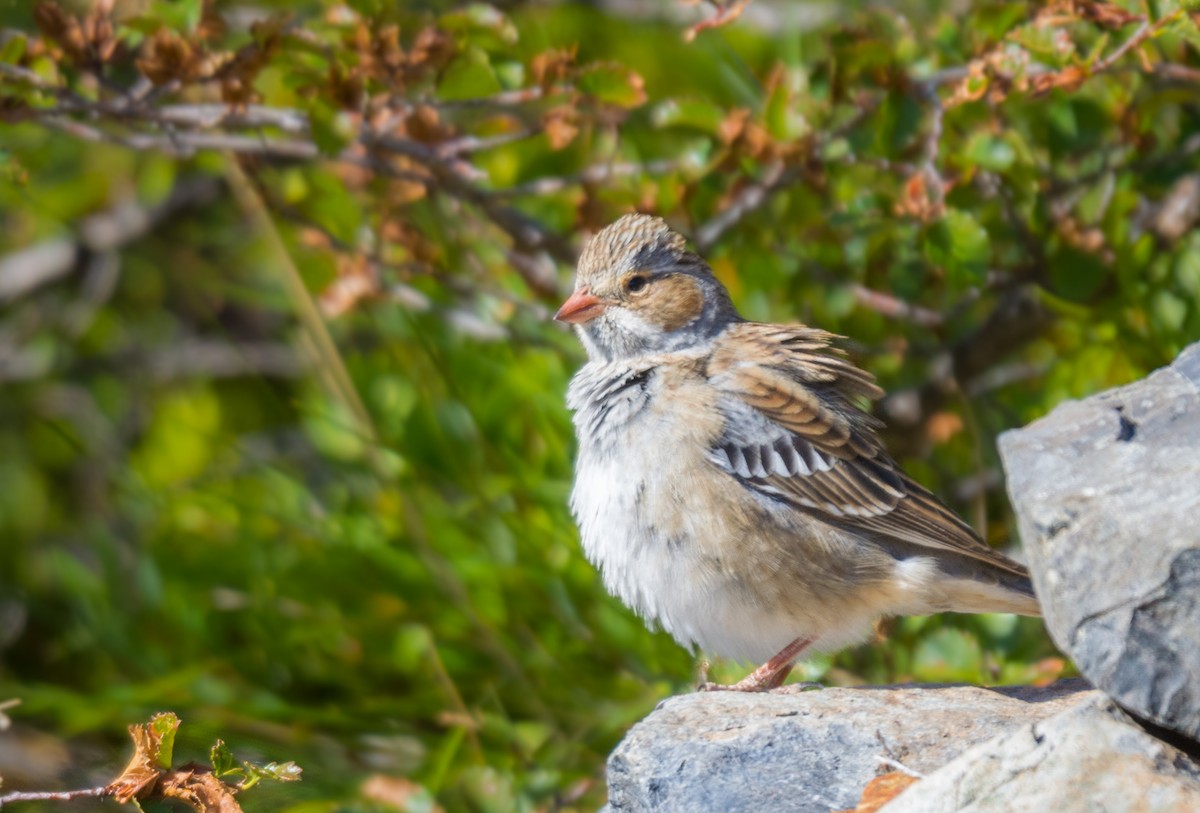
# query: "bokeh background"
[[283, 446]]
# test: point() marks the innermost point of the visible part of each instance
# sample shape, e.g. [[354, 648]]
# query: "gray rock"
[[1091, 757], [1107, 496], [808, 751]]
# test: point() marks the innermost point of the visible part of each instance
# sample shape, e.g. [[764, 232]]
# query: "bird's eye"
[[635, 283]]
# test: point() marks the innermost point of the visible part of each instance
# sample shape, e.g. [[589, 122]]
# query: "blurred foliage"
[[282, 438]]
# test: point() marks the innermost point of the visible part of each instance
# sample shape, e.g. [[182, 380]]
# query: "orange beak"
[[580, 307]]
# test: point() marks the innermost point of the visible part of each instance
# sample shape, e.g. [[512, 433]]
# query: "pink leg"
[[770, 675]]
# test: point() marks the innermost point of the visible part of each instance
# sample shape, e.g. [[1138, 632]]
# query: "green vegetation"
[[283, 446]]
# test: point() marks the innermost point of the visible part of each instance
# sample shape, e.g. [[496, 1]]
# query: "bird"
[[731, 486]]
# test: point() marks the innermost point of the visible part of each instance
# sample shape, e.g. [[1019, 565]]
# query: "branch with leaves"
[[150, 775]]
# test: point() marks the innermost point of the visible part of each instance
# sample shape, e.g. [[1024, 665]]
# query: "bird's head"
[[639, 290]]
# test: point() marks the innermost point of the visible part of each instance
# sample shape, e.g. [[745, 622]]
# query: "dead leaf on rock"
[[881, 790]]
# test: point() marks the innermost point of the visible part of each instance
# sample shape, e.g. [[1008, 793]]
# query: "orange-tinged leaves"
[[433, 49], [743, 135], [561, 126], [1068, 78], [551, 67], [167, 57], [425, 125], [942, 426], [89, 40], [919, 201], [1106, 15], [613, 83]]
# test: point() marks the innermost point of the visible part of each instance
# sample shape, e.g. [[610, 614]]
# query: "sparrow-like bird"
[[729, 485]]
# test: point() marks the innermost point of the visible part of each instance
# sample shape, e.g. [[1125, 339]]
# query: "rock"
[[808, 751], [1090, 757], [1107, 496]]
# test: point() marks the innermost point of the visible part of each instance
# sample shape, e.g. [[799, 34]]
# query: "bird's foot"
[[770, 675]]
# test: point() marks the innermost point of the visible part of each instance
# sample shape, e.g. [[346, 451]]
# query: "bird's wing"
[[794, 431]]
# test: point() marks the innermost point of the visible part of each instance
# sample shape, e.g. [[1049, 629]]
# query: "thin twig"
[[898, 766], [749, 198], [30, 268], [52, 796], [726, 12], [596, 174], [890, 306], [457, 178]]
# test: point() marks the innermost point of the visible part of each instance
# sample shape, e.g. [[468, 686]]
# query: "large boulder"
[[1107, 496], [809, 751], [1091, 757]]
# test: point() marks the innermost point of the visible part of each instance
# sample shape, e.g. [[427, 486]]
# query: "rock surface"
[[1091, 757], [809, 751], [1107, 495]]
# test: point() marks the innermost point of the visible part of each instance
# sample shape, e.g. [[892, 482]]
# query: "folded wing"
[[795, 431]]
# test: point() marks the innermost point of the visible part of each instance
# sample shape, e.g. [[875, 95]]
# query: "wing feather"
[[794, 430]]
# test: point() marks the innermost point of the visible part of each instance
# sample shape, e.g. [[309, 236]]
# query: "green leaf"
[[948, 655], [960, 245], [483, 26], [223, 761], [181, 15], [1077, 275], [990, 152], [613, 84], [333, 429], [272, 771], [469, 76], [784, 122], [697, 114], [367, 8], [1048, 42], [332, 129], [13, 50], [162, 728], [1168, 311]]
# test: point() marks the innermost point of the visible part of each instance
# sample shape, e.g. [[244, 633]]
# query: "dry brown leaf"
[[727, 11], [881, 790], [942, 426], [745, 136], [1050, 670], [432, 49], [559, 124], [90, 40], [972, 87], [1068, 78], [918, 200], [1106, 14], [166, 57], [143, 770], [198, 789], [423, 124], [356, 281], [551, 67]]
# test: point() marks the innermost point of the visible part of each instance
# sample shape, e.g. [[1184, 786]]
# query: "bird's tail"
[[996, 591]]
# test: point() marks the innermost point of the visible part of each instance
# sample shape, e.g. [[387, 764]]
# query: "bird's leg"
[[770, 675]]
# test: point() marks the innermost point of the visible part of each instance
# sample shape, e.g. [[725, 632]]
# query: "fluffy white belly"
[[654, 527], [685, 545]]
